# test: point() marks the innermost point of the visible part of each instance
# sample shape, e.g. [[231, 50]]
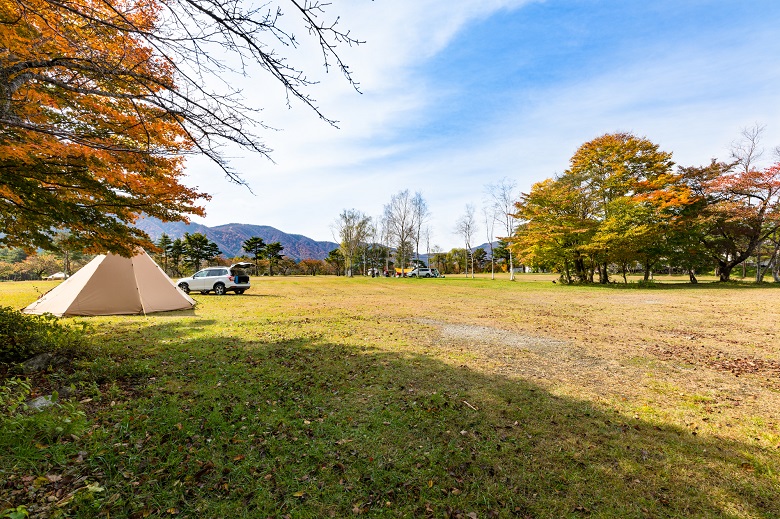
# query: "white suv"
[[218, 279], [423, 272]]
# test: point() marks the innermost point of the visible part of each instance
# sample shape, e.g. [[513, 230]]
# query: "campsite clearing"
[[385, 397]]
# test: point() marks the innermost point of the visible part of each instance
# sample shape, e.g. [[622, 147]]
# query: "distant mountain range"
[[231, 237]]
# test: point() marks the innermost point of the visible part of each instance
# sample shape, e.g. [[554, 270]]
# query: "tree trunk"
[[647, 271], [692, 276], [511, 267], [579, 269], [724, 272], [603, 274], [774, 261], [776, 269]]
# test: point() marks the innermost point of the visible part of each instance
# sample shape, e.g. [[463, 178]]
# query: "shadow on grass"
[[240, 428]]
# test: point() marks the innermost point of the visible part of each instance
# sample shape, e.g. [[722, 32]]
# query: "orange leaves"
[[88, 145]]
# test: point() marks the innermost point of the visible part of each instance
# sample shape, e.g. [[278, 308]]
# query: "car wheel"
[[219, 289], [239, 292], [184, 288]]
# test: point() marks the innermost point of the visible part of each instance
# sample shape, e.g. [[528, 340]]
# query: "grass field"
[[332, 397]]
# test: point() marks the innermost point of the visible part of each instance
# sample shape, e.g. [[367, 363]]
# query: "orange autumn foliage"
[[86, 141]]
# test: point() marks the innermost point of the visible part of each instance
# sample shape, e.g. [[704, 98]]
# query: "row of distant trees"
[[66, 257], [402, 227], [15, 264], [192, 251], [397, 236], [372, 257]]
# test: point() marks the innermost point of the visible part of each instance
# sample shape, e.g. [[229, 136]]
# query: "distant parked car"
[[424, 272], [218, 279], [57, 275]]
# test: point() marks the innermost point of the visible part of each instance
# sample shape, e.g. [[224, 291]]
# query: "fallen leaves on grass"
[[720, 361]]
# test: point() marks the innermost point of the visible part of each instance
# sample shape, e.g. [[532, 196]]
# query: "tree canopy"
[[198, 248], [273, 253], [620, 203], [256, 247], [100, 100]]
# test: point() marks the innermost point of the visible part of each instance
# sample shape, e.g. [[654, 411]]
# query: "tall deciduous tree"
[[466, 227], [352, 228], [732, 211], [554, 230], [101, 99], [400, 225], [420, 215], [594, 213], [609, 171], [489, 219], [504, 196]]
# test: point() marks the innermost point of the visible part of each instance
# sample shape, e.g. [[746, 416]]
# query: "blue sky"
[[459, 94]]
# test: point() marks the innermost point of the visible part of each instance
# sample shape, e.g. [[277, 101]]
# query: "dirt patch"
[[544, 360], [497, 336]]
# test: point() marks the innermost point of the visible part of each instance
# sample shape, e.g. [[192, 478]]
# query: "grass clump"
[[24, 336]]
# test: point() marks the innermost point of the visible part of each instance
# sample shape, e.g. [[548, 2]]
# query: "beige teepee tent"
[[110, 285]]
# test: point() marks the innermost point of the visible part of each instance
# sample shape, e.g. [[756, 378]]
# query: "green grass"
[[325, 397]]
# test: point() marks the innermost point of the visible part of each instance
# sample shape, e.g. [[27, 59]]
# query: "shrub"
[[23, 336]]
